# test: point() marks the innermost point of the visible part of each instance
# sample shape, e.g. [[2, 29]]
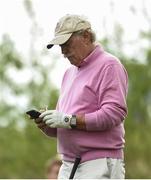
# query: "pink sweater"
[[98, 89]]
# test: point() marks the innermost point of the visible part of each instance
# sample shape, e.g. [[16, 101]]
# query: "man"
[[88, 120]]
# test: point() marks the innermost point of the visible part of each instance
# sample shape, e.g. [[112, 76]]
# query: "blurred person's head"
[[52, 168]]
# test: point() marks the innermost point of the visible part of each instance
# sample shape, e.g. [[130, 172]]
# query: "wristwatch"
[[73, 122]]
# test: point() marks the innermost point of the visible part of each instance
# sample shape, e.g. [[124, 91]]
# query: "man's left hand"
[[55, 119]]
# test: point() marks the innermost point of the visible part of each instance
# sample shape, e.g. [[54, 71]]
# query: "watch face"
[[66, 119]]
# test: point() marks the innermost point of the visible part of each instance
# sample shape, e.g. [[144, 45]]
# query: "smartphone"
[[34, 114]]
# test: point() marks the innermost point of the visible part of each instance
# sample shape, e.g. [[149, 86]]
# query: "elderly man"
[[88, 120]]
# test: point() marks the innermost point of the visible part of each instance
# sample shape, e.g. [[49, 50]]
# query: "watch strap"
[[73, 122]]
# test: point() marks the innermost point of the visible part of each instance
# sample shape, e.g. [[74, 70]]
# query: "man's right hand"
[[40, 123]]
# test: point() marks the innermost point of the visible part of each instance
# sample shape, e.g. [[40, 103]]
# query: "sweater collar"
[[92, 56]]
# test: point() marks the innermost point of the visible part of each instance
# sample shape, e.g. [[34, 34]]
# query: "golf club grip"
[[75, 166]]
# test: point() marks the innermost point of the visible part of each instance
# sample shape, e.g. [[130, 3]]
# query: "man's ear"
[[87, 36]]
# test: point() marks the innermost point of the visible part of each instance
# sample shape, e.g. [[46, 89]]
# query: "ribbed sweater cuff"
[[90, 120]]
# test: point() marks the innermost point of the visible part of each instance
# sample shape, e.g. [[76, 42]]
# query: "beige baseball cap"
[[66, 26]]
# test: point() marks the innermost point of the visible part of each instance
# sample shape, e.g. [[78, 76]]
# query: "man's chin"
[[73, 63]]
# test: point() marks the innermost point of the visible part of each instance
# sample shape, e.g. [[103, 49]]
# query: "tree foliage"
[[25, 84]]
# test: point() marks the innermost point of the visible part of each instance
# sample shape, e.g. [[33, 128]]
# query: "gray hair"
[[89, 30]]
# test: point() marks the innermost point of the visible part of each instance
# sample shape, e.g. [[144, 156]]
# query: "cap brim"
[[58, 40]]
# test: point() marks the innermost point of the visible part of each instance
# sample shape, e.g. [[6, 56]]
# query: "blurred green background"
[[24, 150]]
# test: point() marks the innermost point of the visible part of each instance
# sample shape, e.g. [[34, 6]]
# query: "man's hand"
[[55, 119], [40, 123]]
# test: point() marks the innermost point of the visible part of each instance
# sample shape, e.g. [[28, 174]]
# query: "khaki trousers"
[[104, 168]]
